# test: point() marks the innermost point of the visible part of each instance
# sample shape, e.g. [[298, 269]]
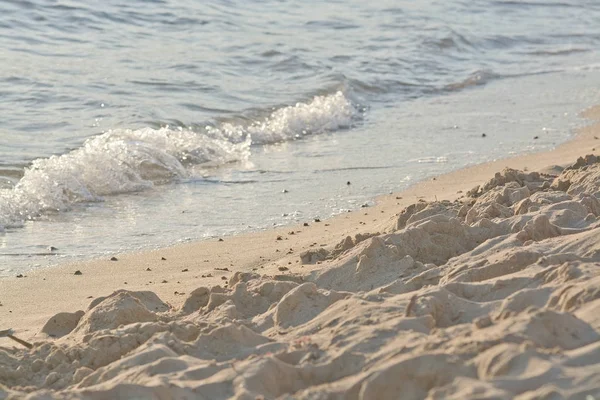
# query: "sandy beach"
[[481, 283]]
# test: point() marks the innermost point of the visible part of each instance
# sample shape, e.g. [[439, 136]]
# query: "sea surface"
[[137, 124]]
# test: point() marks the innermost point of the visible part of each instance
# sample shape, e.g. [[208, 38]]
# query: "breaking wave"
[[124, 161]]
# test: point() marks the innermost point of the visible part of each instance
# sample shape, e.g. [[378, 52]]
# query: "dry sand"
[[490, 294]]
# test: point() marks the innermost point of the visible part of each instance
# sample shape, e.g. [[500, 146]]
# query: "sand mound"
[[497, 297], [120, 308], [62, 324]]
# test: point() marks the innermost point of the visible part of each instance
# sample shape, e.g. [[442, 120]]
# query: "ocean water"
[[138, 124]]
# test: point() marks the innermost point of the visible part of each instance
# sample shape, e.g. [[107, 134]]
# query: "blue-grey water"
[[137, 124]]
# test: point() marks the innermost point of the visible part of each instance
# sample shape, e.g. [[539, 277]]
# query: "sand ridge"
[[494, 296]]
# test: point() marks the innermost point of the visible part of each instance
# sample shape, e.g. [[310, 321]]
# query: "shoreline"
[[172, 272]]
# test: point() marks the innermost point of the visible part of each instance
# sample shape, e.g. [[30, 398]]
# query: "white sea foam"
[[123, 161], [322, 114], [112, 163], [432, 160]]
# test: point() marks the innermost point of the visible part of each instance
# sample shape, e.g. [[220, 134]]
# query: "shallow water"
[[147, 123]]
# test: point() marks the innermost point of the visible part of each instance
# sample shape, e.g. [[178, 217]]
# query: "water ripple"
[[117, 65]]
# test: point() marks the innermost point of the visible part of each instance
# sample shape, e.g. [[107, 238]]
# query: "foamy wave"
[[112, 163], [123, 161], [322, 114]]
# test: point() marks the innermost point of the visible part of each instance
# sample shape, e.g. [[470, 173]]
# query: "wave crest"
[[322, 114]]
